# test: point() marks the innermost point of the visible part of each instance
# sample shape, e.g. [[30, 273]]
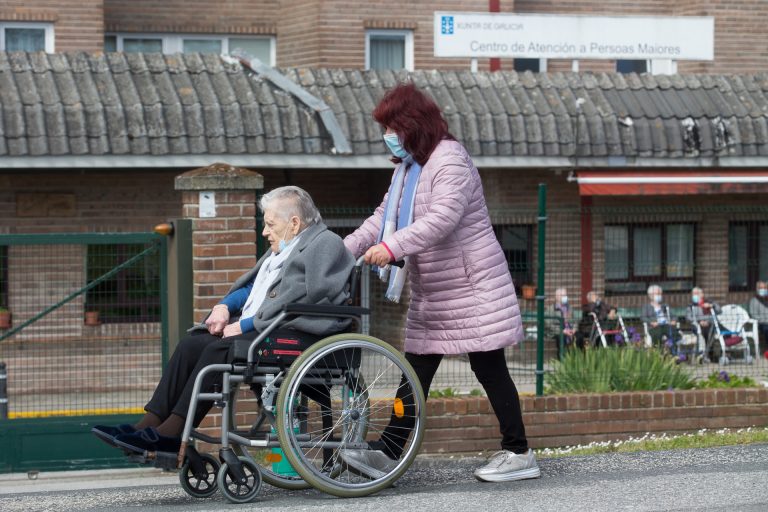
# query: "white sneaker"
[[371, 463], [505, 466]]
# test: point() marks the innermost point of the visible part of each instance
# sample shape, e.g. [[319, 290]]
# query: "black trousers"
[[192, 354], [491, 371]]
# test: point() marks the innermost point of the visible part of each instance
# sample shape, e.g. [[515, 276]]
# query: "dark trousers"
[[174, 390], [763, 335], [491, 371]]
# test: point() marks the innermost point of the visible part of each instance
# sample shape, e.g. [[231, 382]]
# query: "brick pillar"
[[221, 202]]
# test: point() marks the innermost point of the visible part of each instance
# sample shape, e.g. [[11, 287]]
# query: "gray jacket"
[[649, 314], [316, 272]]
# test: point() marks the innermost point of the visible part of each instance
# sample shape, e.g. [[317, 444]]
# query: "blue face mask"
[[695, 299], [283, 244], [393, 143], [762, 292]]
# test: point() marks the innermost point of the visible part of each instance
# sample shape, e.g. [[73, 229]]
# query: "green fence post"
[[540, 291], [179, 285]]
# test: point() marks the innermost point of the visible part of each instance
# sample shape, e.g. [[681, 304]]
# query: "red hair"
[[416, 119]]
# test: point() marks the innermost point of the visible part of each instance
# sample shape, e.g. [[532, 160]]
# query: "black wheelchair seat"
[[281, 347]]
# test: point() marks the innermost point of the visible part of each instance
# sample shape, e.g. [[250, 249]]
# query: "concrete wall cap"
[[219, 176]]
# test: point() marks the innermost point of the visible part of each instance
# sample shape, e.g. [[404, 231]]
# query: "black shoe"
[[108, 434], [148, 440]]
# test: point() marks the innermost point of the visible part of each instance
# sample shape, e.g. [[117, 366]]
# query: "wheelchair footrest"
[[161, 460]]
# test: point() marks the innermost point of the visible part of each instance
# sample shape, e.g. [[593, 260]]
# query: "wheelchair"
[[316, 398]]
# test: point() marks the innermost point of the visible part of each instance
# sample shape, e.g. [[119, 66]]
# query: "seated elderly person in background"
[[758, 310], [657, 317], [555, 327], [699, 312], [306, 264], [606, 314]]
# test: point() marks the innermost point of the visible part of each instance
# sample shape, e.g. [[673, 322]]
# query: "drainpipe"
[[495, 6], [3, 392]]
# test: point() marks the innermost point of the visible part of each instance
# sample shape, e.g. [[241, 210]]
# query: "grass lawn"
[[702, 439]]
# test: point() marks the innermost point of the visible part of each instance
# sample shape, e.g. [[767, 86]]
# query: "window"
[[532, 65], [631, 66], [131, 295], [747, 254], [4, 276], [516, 242], [262, 48], [27, 37], [638, 255], [389, 49]]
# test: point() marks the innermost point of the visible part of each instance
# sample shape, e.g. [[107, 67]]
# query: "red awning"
[[639, 183]]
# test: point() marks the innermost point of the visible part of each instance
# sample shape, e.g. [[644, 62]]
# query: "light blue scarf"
[[403, 186]]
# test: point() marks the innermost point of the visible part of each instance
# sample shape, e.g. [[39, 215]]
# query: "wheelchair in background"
[[316, 397]]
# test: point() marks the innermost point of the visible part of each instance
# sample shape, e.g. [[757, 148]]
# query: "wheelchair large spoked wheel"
[[358, 384]]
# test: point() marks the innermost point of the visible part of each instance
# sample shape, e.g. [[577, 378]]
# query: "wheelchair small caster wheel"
[[201, 484], [240, 492], [724, 361], [748, 360]]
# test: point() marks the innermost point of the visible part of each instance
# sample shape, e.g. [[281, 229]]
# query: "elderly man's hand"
[[378, 255], [232, 330], [218, 319]]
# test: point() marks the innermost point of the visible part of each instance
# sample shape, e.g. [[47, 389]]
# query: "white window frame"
[[407, 34], [272, 46], [48, 27], [174, 43]]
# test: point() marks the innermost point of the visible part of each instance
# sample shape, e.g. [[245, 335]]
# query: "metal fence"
[[618, 250], [85, 335]]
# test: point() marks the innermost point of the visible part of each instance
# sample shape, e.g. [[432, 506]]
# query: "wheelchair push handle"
[[361, 261]]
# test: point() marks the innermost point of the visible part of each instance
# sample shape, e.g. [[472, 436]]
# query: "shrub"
[[723, 380], [616, 369], [445, 393]]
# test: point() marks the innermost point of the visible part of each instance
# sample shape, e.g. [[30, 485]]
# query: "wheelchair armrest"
[[325, 310]]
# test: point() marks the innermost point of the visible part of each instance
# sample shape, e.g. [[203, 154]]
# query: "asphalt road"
[[728, 478]]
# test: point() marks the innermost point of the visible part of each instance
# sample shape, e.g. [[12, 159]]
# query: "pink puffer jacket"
[[462, 297]]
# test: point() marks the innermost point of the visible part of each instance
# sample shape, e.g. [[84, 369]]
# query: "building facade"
[[92, 142], [344, 34]]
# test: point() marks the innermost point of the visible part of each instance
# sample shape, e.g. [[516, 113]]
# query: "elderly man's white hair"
[[298, 202], [652, 289]]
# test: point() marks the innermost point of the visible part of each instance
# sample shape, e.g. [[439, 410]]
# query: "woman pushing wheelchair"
[[462, 298], [306, 264]]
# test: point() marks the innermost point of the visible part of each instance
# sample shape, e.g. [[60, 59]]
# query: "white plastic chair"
[[735, 319]]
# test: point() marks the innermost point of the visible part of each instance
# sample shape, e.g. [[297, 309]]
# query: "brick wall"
[[191, 16], [467, 424], [224, 247], [740, 38], [87, 201], [331, 33], [76, 25]]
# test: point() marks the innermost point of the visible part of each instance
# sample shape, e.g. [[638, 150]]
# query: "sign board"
[[535, 36]]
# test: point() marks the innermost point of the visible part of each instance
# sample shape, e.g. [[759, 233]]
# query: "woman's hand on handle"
[[378, 255]]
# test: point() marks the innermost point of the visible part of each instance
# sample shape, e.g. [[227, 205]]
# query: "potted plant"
[[5, 318], [529, 291], [92, 318]]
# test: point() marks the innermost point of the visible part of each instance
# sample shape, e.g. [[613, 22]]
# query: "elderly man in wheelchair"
[[275, 315]]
